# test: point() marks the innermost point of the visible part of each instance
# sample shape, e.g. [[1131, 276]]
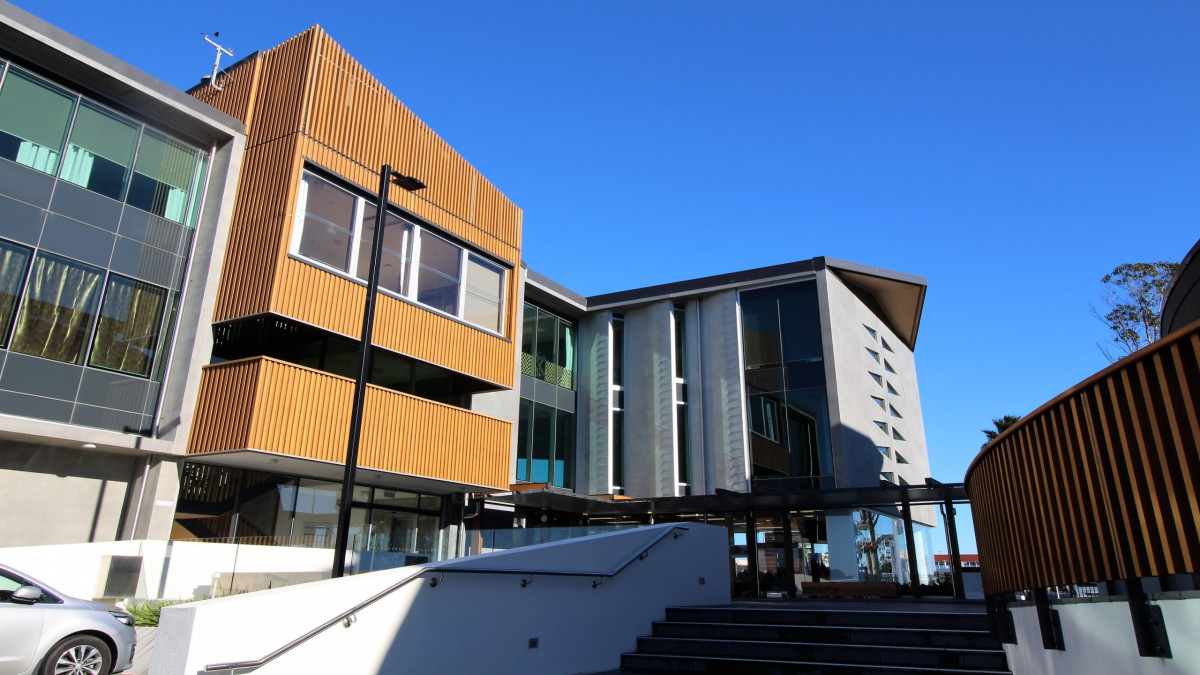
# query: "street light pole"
[[342, 538]]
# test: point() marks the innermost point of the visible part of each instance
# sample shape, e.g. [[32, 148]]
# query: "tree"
[[1001, 423], [1133, 295]]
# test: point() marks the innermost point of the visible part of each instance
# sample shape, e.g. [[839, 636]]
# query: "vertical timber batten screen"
[[1101, 483]]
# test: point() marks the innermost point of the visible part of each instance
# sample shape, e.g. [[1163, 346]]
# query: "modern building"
[[781, 402], [115, 196]]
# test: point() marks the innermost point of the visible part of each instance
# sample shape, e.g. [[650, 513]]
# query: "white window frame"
[[410, 256]]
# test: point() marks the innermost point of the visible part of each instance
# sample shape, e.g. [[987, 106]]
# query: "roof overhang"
[[897, 298]]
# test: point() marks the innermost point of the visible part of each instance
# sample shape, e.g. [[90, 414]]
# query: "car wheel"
[[78, 655]]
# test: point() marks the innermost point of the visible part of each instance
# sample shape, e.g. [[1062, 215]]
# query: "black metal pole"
[[956, 568], [360, 382]]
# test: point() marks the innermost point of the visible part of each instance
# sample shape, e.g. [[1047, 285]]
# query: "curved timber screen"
[[1099, 484]]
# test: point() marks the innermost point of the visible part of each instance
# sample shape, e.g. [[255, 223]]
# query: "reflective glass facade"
[[786, 403]]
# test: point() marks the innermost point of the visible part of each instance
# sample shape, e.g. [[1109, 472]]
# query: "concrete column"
[[726, 459], [593, 407], [649, 402]]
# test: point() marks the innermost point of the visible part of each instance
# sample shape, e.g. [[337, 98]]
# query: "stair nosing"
[[824, 663], [972, 631], [955, 650]]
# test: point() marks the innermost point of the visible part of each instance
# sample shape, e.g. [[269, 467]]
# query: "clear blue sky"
[[1010, 152]]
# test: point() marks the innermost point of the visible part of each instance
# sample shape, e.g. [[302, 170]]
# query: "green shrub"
[[146, 614]]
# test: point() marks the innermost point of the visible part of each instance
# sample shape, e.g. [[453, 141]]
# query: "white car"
[[46, 632]]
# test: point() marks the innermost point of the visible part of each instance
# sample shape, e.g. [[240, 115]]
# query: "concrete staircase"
[[832, 638]]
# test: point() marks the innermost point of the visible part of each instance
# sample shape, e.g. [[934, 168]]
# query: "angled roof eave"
[[900, 297]]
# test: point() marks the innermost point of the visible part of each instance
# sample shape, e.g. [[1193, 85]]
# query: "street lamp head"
[[407, 182]]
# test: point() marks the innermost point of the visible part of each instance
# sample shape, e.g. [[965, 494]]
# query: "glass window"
[[439, 274], [528, 335], [878, 378], [566, 355], [396, 499], [327, 218], [394, 259], [564, 450], [547, 347], [485, 284], [162, 177], [760, 329], [884, 450], [57, 310], [100, 151], [207, 499], [892, 390], [874, 354], [316, 516], [543, 442], [680, 342], [681, 442], [34, 116], [887, 366], [885, 344], [896, 434], [524, 439], [126, 336], [882, 426], [900, 459], [618, 350], [879, 402], [894, 412], [265, 512], [618, 446], [14, 263], [870, 331]]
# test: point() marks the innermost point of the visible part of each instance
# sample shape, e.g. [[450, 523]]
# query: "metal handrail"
[[346, 616]]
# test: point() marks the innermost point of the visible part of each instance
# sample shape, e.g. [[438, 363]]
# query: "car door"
[[20, 628]]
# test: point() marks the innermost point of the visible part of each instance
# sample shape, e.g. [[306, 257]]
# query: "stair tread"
[[972, 671], [823, 644], [971, 631]]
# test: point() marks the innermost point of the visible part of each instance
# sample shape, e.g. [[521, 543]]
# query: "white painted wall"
[[1099, 640], [172, 570], [468, 623]]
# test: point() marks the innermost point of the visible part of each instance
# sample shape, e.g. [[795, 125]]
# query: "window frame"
[[416, 231]]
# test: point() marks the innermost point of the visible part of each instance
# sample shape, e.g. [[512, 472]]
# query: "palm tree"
[[1001, 423]]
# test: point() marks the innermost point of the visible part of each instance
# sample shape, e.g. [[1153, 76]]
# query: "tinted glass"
[[315, 522], [485, 283], [543, 442], [618, 350], [680, 343], [328, 213], [528, 329], [393, 260], [440, 273], [265, 514], [162, 177], [801, 323], [100, 151], [127, 333], [207, 499], [618, 446], [34, 117], [396, 498], [56, 313], [524, 439], [681, 441], [760, 329], [547, 347], [566, 355], [564, 450], [14, 262]]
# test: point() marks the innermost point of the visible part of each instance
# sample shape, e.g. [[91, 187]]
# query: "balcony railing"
[[269, 405], [1100, 484]]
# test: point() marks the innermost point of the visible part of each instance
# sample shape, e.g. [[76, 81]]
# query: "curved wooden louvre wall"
[[1101, 483], [265, 404], [308, 101]]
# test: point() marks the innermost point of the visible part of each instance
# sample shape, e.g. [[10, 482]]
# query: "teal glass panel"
[[564, 450], [163, 177], [100, 151], [34, 118]]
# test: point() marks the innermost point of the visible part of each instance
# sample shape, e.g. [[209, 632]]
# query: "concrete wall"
[[719, 394], [1099, 639], [649, 402], [55, 495], [593, 411], [853, 413], [467, 623]]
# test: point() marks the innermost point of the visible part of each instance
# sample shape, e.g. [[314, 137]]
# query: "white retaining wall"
[[467, 623], [1099, 640]]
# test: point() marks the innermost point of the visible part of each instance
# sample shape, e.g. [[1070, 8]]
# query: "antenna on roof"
[[216, 64]]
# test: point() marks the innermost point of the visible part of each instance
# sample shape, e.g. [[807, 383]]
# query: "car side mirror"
[[26, 595]]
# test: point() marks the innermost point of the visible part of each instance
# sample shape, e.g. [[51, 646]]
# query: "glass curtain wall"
[[786, 402], [548, 346], [58, 132]]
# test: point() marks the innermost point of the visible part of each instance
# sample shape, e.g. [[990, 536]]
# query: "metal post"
[[956, 569], [910, 542], [360, 382]]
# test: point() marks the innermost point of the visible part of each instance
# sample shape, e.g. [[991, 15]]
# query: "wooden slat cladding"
[[1101, 483], [308, 101], [355, 116], [269, 405]]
